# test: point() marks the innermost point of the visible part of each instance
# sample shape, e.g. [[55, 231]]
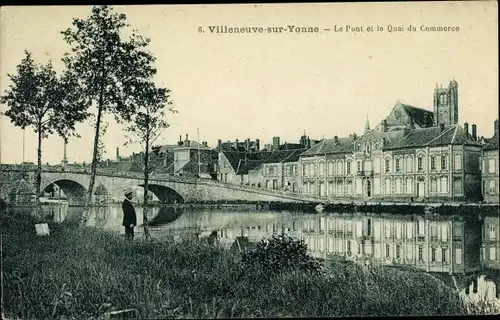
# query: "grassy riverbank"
[[83, 273]]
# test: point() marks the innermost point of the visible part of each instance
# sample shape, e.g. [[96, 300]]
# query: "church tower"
[[446, 104]]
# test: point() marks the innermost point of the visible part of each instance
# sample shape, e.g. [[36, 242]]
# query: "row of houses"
[[413, 154]]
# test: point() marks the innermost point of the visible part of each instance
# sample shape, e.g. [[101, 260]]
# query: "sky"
[[260, 85]]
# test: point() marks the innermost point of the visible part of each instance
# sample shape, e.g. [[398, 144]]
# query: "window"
[[321, 169], [399, 230], [458, 255], [444, 254], [433, 163], [409, 185], [409, 251], [444, 232], [420, 163], [444, 184], [421, 228], [409, 164], [387, 165], [491, 166], [434, 231], [398, 186], [483, 169], [433, 185], [398, 251], [387, 230], [493, 252], [367, 165], [398, 165], [359, 166], [444, 162], [493, 232], [387, 251], [433, 255], [330, 168], [349, 187], [409, 230], [420, 253], [457, 233], [458, 162], [376, 229], [348, 167], [304, 170], [388, 186]]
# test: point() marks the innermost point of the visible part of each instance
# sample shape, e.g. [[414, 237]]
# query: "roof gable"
[[430, 137], [331, 146], [492, 144]]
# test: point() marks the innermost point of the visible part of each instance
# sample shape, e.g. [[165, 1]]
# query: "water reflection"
[[451, 245]]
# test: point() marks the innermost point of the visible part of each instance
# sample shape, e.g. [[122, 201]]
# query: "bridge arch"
[[74, 191], [164, 194]]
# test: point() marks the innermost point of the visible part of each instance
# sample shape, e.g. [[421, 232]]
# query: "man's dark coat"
[[129, 216]]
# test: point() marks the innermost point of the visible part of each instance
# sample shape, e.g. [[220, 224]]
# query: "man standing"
[[129, 217]]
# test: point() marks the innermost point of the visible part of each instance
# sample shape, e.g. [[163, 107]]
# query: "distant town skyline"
[[238, 86]]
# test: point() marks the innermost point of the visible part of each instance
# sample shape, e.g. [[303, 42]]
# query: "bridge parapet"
[[190, 188]]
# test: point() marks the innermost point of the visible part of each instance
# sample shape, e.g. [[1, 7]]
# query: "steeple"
[[367, 125]]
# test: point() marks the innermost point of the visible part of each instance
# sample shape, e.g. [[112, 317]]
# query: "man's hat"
[[128, 191]]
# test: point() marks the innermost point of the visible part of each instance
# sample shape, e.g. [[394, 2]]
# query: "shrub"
[[279, 253]]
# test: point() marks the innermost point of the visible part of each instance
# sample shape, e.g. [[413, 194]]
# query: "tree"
[[145, 127], [63, 128], [108, 69], [40, 99]]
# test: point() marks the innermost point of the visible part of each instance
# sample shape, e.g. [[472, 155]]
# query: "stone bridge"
[[74, 183]]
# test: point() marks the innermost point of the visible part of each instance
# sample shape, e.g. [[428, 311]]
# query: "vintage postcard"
[[250, 160]]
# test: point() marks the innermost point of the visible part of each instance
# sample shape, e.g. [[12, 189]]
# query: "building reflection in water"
[[490, 253], [451, 245]]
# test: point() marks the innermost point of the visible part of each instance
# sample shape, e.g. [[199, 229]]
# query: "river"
[[432, 243]]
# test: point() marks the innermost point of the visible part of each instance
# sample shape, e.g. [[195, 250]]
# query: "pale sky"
[[238, 86]]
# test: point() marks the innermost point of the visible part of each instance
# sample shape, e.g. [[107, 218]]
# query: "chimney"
[[496, 127], [427, 120], [336, 139], [466, 129], [474, 132], [441, 127], [204, 143], [117, 154], [247, 144], [257, 144], [219, 145], [187, 139], [383, 125], [276, 143]]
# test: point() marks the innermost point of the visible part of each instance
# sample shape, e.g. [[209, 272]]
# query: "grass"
[[85, 272]]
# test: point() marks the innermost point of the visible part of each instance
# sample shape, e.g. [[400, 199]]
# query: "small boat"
[[319, 208]]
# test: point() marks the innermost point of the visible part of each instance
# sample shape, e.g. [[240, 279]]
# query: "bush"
[[280, 253]]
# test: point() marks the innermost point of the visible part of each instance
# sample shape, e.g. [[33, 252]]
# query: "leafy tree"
[[38, 98], [145, 127], [108, 69]]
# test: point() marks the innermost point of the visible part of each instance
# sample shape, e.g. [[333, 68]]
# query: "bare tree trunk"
[[38, 181], [146, 192], [93, 166]]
